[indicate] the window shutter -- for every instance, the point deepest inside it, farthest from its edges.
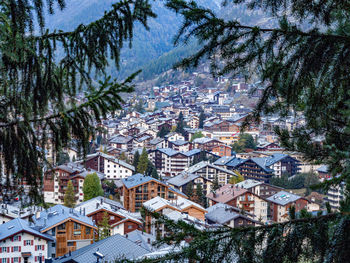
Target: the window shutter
(11, 249)
(19, 259)
(24, 242)
(36, 258)
(43, 258)
(31, 242)
(36, 248)
(8, 260)
(0, 249)
(19, 248)
(42, 247)
(19, 238)
(11, 260)
(11, 239)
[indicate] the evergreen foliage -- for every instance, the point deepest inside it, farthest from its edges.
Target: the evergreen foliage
(200, 197)
(136, 160)
(215, 185)
(104, 229)
(189, 190)
(143, 162)
(69, 195)
(296, 182)
(154, 173)
(197, 135)
(163, 131)
(305, 71)
(92, 187)
(201, 119)
(62, 158)
(245, 141)
(180, 124)
(38, 87)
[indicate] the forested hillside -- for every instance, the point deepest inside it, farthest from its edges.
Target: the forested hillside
(152, 51)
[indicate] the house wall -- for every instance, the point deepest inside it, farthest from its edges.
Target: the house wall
(70, 236)
(13, 247)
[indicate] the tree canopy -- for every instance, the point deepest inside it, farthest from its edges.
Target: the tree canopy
(301, 59)
(245, 141)
(69, 195)
(143, 162)
(42, 71)
(92, 187)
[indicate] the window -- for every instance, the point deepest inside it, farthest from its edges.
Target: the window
(61, 227)
(27, 243)
(87, 230)
(53, 244)
(129, 226)
(15, 249)
(70, 244)
(77, 226)
(16, 238)
(112, 217)
(4, 260)
(40, 247)
(53, 231)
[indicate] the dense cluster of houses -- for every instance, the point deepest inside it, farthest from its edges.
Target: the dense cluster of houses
(199, 156)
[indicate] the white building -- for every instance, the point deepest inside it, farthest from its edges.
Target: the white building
(21, 242)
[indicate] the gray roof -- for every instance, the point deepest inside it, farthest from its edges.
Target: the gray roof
(169, 151)
(111, 158)
(222, 213)
(192, 152)
(111, 204)
(182, 179)
(17, 226)
(156, 141)
(247, 184)
(202, 164)
(223, 160)
(137, 179)
(142, 239)
(57, 214)
(180, 142)
(283, 198)
(112, 248)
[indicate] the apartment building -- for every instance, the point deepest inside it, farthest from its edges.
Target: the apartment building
(282, 201)
(241, 198)
(56, 181)
(169, 162)
(113, 168)
(138, 189)
(211, 171)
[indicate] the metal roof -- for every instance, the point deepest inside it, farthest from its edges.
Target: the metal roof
(182, 179)
(283, 198)
(59, 213)
(17, 226)
(142, 239)
(112, 248)
(249, 183)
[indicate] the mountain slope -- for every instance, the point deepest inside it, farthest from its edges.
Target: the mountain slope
(147, 46)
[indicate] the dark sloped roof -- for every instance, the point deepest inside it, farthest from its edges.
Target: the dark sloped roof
(112, 248)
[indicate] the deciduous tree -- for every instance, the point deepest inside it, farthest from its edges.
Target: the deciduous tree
(92, 187)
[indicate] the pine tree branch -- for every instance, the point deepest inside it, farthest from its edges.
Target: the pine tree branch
(92, 98)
